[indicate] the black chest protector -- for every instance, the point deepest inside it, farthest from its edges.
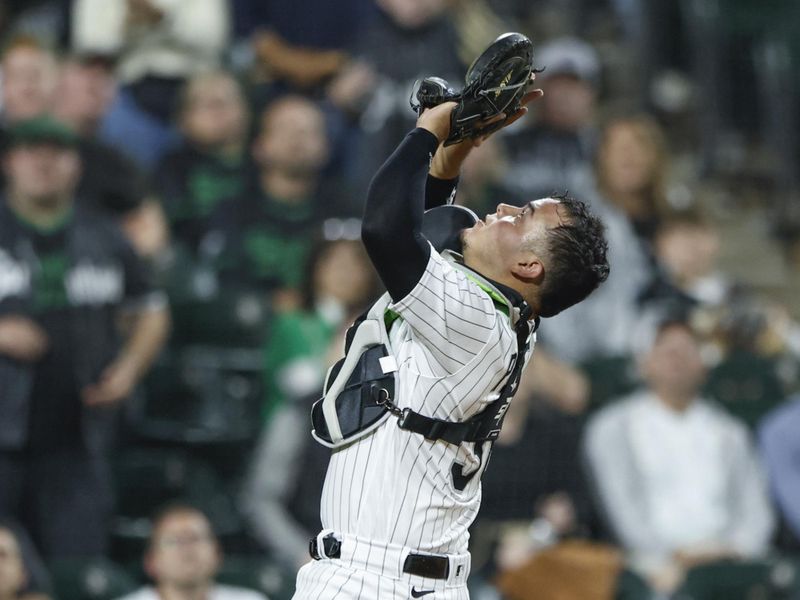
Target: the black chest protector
(359, 393)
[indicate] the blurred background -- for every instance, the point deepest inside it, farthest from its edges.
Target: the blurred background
(179, 256)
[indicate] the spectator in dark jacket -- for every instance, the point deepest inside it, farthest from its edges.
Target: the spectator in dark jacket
(65, 273)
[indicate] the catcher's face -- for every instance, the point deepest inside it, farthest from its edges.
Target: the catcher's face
(511, 242)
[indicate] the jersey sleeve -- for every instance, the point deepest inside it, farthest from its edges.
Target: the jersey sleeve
(449, 314)
(140, 291)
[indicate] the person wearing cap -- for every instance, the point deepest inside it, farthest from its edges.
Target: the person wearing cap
(555, 153)
(66, 274)
(677, 477)
(110, 180)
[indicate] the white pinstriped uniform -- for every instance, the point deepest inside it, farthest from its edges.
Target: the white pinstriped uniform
(393, 491)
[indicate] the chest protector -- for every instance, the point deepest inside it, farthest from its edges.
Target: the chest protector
(359, 392)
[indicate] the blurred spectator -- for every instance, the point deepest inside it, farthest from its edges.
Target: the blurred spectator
(555, 153)
(543, 444)
(687, 250)
(780, 447)
(85, 90)
(160, 44)
(22, 572)
(66, 274)
(13, 575)
(339, 281)
(269, 227)
(109, 179)
(29, 75)
(678, 478)
(183, 557)
(46, 20)
(631, 169)
(408, 40)
(209, 165)
(477, 25)
(283, 493)
(281, 498)
(300, 46)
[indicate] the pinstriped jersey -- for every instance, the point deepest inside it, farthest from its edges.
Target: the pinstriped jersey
(454, 349)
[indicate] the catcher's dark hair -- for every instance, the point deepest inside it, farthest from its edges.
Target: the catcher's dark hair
(578, 258)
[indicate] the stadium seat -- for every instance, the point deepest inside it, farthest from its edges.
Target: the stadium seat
(733, 580)
(747, 385)
(631, 586)
(202, 394)
(610, 378)
(146, 479)
(89, 579)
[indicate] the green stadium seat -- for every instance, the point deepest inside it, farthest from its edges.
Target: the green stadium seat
(747, 385)
(610, 378)
(734, 580)
(89, 579)
(631, 586)
(202, 394)
(146, 479)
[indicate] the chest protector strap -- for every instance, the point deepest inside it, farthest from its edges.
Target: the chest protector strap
(359, 390)
(486, 425)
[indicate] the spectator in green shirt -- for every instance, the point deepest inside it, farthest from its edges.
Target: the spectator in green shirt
(339, 282)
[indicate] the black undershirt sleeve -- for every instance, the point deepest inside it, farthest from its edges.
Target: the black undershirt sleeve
(397, 197)
(438, 191)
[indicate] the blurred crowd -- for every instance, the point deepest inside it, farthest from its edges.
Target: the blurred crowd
(180, 254)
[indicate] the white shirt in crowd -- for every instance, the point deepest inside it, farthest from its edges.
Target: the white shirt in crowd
(217, 592)
(673, 481)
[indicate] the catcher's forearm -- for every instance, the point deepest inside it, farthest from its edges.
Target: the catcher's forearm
(391, 228)
(447, 161)
(439, 191)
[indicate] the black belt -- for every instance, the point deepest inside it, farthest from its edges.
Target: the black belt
(424, 565)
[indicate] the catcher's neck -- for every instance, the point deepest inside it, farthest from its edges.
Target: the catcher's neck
(527, 290)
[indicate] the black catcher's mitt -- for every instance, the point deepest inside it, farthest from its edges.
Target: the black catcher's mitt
(495, 83)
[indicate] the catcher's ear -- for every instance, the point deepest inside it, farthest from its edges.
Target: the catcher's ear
(528, 267)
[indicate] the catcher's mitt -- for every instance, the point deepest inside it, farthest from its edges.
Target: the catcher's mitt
(495, 83)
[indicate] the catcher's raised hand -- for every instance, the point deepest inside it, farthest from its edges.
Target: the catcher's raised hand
(437, 120)
(447, 161)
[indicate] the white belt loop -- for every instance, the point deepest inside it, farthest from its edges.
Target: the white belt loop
(459, 570)
(321, 544)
